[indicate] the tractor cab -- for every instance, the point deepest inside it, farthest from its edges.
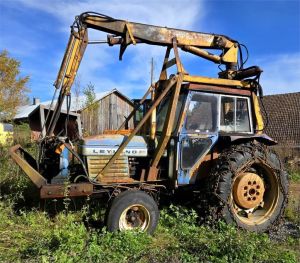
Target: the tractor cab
(202, 119)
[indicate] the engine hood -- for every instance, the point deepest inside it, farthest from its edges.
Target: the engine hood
(108, 144)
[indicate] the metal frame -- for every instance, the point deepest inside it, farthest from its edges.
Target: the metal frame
(15, 152)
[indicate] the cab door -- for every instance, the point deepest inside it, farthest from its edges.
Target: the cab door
(198, 134)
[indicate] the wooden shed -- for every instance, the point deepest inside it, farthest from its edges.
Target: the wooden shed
(107, 113)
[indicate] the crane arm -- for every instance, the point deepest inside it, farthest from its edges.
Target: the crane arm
(125, 33)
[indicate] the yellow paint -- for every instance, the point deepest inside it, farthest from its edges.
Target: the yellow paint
(73, 56)
(6, 137)
(231, 55)
(73, 59)
(258, 116)
(215, 81)
(130, 33)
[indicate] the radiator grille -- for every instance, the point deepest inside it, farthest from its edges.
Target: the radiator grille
(118, 172)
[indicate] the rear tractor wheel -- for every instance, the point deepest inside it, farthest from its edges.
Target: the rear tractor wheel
(249, 187)
(133, 209)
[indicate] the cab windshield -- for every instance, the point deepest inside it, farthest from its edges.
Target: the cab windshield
(163, 109)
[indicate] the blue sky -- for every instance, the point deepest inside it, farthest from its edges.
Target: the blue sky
(36, 32)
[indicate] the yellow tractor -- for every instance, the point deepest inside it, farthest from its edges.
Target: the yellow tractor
(203, 134)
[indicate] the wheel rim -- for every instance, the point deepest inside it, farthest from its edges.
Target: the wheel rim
(133, 217)
(255, 196)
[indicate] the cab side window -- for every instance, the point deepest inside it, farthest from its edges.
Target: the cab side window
(202, 113)
(234, 116)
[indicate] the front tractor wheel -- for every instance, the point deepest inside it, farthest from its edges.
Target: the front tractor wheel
(133, 209)
(249, 187)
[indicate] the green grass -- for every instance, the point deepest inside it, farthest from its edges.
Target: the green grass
(294, 176)
(28, 234)
(35, 237)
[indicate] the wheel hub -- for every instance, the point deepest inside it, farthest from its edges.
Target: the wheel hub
(248, 190)
(135, 216)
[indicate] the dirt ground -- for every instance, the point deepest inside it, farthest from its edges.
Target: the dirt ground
(290, 227)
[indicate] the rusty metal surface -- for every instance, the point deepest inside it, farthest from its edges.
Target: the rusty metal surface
(119, 170)
(180, 68)
(156, 35)
(248, 190)
(202, 53)
(152, 173)
(122, 132)
(215, 81)
(75, 49)
(220, 89)
(69, 190)
(117, 180)
(163, 73)
(168, 126)
(15, 152)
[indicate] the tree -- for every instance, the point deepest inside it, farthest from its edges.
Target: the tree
(12, 86)
(90, 95)
(90, 105)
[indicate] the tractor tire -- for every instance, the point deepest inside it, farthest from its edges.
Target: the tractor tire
(248, 187)
(133, 209)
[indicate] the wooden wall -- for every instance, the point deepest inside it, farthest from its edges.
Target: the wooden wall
(105, 114)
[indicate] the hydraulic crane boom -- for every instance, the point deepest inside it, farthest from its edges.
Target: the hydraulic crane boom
(125, 33)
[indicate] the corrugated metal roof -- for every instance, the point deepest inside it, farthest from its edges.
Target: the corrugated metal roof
(24, 111)
(77, 104)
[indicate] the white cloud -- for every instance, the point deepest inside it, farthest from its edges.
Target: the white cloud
(281, 73)
(172, 13)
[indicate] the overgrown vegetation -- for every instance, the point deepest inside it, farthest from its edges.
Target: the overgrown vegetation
(22, 133)
(30, 234)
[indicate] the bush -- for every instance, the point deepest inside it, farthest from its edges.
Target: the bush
(22, 134)
(15, 186)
